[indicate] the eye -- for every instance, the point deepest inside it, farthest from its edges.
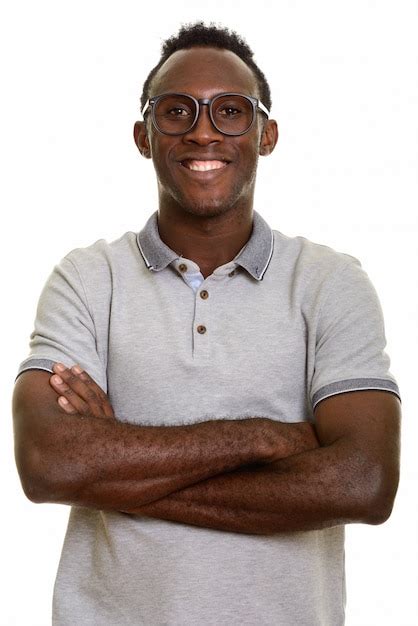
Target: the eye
(228, 111)
(178, 112)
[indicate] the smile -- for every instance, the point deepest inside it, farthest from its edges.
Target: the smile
(203, 166)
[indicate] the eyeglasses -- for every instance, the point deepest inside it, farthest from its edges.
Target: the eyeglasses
(177, 113)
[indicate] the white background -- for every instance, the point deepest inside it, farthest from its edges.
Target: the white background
(343, 77)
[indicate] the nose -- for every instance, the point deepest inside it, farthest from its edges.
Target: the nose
(203, 132)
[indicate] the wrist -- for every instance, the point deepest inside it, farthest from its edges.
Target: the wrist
(288, 439)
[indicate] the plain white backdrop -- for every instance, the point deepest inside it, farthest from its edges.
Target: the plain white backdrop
(343, 77)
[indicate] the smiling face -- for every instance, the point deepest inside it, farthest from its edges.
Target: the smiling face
(204, 172)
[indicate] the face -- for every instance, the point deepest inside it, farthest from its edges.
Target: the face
(204, 72)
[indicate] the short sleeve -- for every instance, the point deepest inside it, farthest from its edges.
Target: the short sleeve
(64, 326)
(350, 338)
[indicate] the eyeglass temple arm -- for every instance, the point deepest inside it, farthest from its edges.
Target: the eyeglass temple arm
(263, 108)
(144, 108)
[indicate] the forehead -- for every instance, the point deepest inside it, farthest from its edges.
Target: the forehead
(203, 72)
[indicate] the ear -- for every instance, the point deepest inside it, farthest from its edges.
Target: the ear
(141, 139)
(269, 137)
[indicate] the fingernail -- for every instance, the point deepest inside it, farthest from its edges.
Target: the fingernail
(77, 369)
(63, 400)
(57, 379)
(60, 367)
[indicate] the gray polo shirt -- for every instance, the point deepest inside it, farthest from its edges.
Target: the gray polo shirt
(285, 324)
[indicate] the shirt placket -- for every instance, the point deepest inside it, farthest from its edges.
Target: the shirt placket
(204, 303)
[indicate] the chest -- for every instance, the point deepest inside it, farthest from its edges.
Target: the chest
(215, 353)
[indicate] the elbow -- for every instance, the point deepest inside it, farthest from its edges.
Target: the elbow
(378, 513)
(382, 491)
(30, 488)
(33, 480)
(33, 493)
(39, 482)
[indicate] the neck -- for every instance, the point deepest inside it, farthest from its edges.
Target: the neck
(208, 241)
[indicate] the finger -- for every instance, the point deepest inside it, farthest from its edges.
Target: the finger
(104, 400)
(61, 387)
(79, 381)
(86, 389)
(66, 405)
(108, 409)
(87, 379)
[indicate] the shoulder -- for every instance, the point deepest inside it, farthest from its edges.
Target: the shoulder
(90, 273)
(97, 265)
(102, 253)
(310, 263)
(309, 253)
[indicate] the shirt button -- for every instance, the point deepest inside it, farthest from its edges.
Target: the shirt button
(183, 267)
(201, 329)
(204, 294)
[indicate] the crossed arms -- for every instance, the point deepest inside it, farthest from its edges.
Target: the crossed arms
(254, 475)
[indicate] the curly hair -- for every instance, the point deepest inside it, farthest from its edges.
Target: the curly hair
(198, 34)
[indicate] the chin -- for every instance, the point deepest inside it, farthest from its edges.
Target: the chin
(210, 206)
(208, 209)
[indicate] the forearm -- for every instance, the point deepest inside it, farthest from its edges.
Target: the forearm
(107, 464)
(309, 491)
(89, 458)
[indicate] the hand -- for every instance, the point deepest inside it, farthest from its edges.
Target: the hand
(78, 393)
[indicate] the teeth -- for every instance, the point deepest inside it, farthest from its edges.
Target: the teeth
(204, 166)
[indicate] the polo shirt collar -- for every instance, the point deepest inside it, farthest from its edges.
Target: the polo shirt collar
(255, 256)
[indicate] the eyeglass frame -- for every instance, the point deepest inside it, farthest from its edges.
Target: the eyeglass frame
(256, 104)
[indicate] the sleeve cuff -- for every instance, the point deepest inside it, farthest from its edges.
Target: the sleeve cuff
(36, 364)
(354, 384)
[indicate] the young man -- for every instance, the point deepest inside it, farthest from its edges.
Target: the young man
(234, 407)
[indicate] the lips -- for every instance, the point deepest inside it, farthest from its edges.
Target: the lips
(203, 165)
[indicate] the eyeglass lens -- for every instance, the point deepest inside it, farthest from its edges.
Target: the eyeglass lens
(175, 114)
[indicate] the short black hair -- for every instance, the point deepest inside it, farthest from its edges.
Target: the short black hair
(198, 34)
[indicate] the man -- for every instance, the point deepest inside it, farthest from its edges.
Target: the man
(221, 403)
